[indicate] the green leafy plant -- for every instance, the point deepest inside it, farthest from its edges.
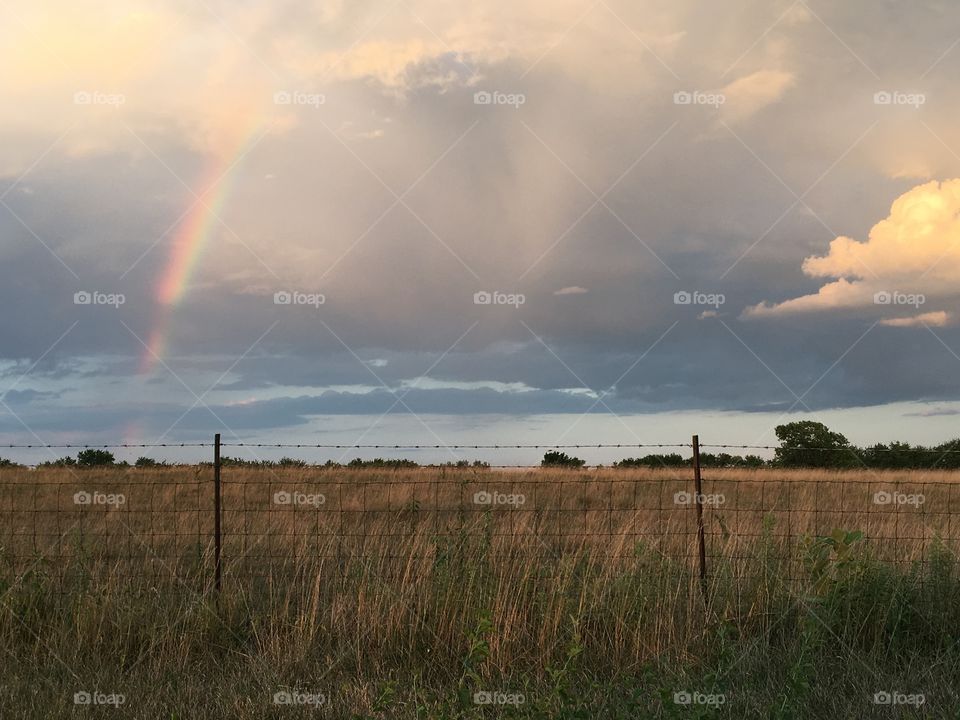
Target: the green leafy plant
(830, 558)
(478, 650)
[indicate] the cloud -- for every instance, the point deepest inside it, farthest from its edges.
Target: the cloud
(937, 319)
(918, 236)
(913, 254)
(209, 75)
(751, 93)
(841, 293)
(935, 412)
(511, 201)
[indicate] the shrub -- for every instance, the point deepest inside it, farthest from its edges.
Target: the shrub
(464, 464)
(65, 461)
(653, 461)
(381, 463)
(555, 458)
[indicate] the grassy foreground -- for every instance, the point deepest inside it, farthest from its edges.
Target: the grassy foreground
(419, 603)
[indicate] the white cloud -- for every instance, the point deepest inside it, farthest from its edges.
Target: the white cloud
(572, 290)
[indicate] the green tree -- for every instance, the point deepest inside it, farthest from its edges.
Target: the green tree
(654, 461)
(91, 457)
(798, 441)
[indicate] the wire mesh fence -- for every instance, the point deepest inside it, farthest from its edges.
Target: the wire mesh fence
(174, 524)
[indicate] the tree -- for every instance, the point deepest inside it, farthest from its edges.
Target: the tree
(555, 458)
(654, 461)
(798, 440)
(753, 461)
(146, 462)
(726, 460)
(92, 457)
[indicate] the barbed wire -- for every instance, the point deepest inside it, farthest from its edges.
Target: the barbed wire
(348, 447)
(491, 446)
(105, 447)
(458, 446)
(848, 448)
(463, 447)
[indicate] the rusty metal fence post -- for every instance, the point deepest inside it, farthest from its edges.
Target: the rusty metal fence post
(216, 513)
(698, 503)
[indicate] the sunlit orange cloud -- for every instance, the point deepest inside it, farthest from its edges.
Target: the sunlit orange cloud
(922, 231)
(915, 250)
(83, 42)
(935, 319)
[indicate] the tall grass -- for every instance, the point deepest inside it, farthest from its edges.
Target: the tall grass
(398, 596)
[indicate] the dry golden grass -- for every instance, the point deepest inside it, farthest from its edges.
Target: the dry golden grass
(392, 572)
(398, 518)
(399, 528)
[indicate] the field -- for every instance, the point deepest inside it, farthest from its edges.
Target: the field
(477, 593)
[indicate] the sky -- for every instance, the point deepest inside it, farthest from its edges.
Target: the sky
(423, 222)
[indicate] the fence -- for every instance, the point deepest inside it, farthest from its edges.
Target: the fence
(204, 526)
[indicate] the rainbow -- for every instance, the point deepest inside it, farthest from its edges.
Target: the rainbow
(193, 234)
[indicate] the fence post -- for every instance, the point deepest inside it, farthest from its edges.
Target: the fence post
(216, 512)
(698, 502)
